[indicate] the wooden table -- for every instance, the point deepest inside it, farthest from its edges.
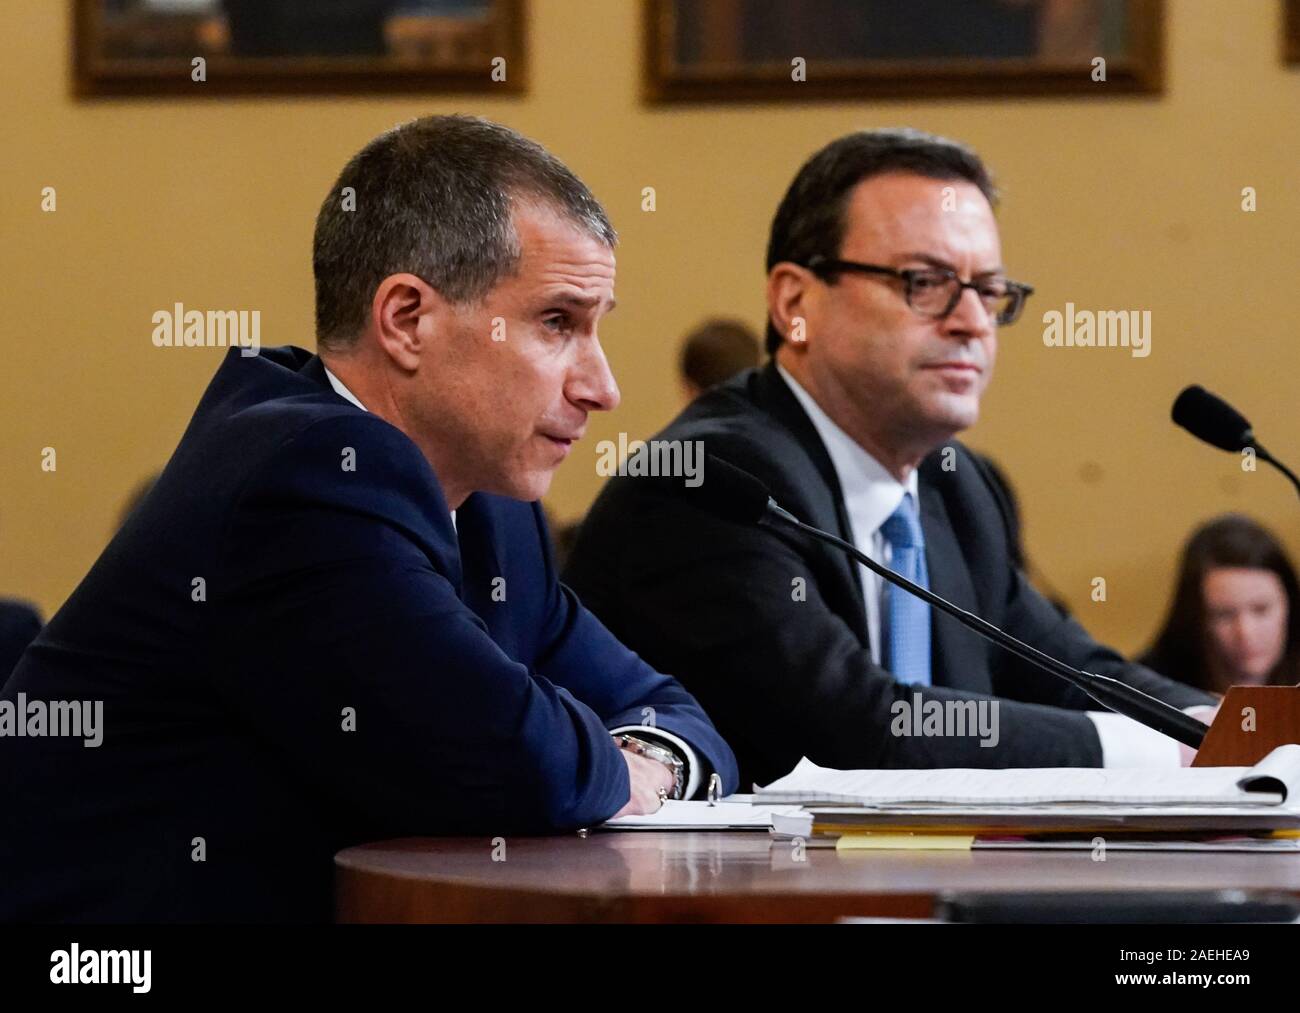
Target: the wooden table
(734, 877)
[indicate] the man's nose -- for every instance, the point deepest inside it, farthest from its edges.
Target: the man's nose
(969, 318)
(591, 384)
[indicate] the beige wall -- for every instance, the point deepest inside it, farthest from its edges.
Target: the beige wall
(1117, 204)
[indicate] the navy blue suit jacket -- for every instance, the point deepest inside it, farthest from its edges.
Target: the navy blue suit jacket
(296, 652)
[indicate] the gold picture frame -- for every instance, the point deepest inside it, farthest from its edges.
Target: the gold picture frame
(737, 50)
(1291, 31)
(250, 47)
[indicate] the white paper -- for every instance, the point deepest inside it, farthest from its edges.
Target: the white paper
(809, 784)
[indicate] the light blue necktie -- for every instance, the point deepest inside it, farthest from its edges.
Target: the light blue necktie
(909, 617)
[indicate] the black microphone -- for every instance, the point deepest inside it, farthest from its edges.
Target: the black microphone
(1210, 418)
(736, 495)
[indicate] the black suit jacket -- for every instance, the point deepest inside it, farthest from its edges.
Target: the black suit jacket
(715, 603)
(19, 624)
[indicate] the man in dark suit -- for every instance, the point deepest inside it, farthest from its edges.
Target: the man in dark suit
(885, 290)
(19, 624)
(335, 618)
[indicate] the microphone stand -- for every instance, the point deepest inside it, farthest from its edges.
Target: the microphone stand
(1110, 693)
(1264, 455)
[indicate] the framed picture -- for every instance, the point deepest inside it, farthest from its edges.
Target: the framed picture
(787, 50)
(1291, 30)
(222, 47)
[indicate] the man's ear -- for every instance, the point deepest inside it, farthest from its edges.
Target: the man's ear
(788, 293)
(406, 313)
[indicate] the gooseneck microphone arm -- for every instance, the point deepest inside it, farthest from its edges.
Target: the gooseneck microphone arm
(1264, 455)
(1110, 693)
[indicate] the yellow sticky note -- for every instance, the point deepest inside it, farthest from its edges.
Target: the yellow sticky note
(905, 842)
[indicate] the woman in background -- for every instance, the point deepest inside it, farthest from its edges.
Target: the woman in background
(1234, 619)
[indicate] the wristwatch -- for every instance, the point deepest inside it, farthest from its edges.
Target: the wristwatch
(663, 754)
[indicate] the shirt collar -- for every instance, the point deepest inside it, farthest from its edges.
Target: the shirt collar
(341, 390)
(870, 492)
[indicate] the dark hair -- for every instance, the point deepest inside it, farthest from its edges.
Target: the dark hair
(810, 219)
(716, 351)
(1180, 649)
(434, 198)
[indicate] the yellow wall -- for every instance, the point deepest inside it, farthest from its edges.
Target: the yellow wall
(1119, 204)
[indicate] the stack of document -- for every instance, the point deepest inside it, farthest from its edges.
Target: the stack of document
(735, 812)
(1197, 808)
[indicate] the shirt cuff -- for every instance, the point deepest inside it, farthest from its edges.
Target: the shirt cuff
(1125, 743)
(678, 743)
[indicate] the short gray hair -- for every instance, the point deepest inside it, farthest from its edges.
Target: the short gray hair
(434, 198)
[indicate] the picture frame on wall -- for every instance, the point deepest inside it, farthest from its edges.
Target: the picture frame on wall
(789, 50)
(1291, 31)
(221, 47)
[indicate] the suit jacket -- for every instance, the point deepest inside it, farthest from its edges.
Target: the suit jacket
(296, 652)
(19, 624)
(716, 603)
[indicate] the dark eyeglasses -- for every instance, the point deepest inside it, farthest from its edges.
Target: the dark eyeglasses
(935, 291)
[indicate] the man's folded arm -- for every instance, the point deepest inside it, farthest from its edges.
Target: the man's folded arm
(628, 694)
(400, 705)
(1124, 742)
(1030, 617)
(784, 670)
(344, 650)
(1034, 619)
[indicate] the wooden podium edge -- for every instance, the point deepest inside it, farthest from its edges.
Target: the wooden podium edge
(1251, 723)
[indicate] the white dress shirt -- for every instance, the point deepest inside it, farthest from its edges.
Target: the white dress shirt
(871, 494)
(674, 742)
(341, 390)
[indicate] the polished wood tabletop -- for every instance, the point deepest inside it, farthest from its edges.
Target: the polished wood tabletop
(641, 876)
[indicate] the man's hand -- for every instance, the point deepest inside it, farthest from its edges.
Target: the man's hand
(1186, 754)
(647, 777)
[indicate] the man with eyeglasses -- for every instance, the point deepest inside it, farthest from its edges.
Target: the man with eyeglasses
(885, 291)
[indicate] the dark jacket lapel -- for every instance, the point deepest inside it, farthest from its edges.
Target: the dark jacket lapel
(773, 394)
(314, 369)
(957, 659)
(479, 561)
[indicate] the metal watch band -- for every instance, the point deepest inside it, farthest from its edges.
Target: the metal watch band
(654, 751)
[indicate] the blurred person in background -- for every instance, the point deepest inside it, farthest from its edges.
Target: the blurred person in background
(1233, 619)
(715, 352)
